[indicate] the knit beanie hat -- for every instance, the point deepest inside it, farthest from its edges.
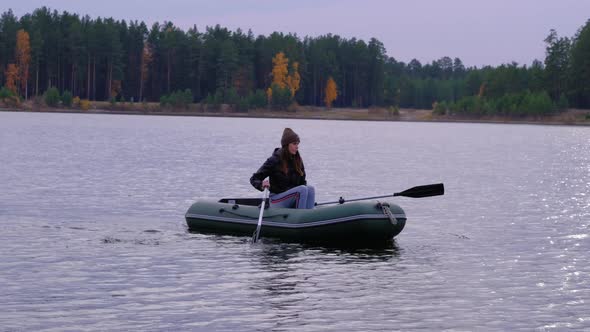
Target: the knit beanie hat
(289, 136)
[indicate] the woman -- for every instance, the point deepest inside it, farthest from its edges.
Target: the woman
(286, 172)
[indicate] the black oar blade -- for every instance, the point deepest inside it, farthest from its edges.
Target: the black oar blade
(423, 191)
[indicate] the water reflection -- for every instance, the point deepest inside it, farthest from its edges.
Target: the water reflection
(281, 260)
(280, 264)
(372, 252)
(292, 273)
(279, 284)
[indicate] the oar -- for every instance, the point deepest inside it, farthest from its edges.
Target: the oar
(415, 192)
(257, 231)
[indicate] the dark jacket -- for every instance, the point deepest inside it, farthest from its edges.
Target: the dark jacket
(279, 181)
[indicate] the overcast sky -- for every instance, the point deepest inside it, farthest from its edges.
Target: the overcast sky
(480, 33)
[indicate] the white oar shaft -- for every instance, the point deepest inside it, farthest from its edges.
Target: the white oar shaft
(259, 225)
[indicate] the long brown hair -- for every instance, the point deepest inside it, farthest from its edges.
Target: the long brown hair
(297, 161)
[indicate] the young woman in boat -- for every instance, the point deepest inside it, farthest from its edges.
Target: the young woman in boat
(288, 187)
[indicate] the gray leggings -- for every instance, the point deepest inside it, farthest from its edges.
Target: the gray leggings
(300, 197)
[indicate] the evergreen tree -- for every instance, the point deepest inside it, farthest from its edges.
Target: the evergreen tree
(579, 72)
(556, 64)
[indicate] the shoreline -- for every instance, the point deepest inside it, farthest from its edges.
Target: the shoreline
(574, 118)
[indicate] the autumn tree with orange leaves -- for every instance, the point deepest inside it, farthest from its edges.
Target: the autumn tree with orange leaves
(280, 70)
(282, 77)
(23, 60)
(11, 78)
(331, 92)
(294, 80)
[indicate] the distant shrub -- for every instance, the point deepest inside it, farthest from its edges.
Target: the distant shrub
(76, 101)
(218, 98)
(214, 101)
(281, 97)
(85, 104)
(66, 98)
(563, 103)
(164, 101)
(465, 106)
(538, 103)
(187, 97)
(177, 99)
(393, 111)
(9, 98)
(5, 93)
(208, 99)
(439, 108)
(257, 99)
(51, 97)
(242, 105)
(231, 96)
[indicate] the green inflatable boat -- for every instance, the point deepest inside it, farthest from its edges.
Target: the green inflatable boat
(370, 221)
(351, 222)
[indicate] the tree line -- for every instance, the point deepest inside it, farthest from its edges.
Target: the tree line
(107, 59)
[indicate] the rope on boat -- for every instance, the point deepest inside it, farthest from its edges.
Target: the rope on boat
(386, 211)
(284, 215)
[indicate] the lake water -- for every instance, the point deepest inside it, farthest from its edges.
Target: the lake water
(93, 235)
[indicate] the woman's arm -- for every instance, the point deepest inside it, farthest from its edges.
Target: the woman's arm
(262, 173)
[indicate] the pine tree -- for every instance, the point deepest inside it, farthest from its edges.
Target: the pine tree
(556, 63)
(580, 67)
(36, 48)
(146, 59)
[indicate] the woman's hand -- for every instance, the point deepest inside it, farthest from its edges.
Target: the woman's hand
(265, 184)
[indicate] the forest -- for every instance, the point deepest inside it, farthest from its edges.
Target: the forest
(103, 59)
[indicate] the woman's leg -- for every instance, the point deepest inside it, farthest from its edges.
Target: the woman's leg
(292, 198)
(310, 197)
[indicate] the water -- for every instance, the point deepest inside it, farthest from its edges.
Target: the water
(94, 238)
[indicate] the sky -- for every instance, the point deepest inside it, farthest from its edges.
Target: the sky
(491, 32)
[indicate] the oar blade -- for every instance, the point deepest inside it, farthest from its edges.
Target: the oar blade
(423, 191)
